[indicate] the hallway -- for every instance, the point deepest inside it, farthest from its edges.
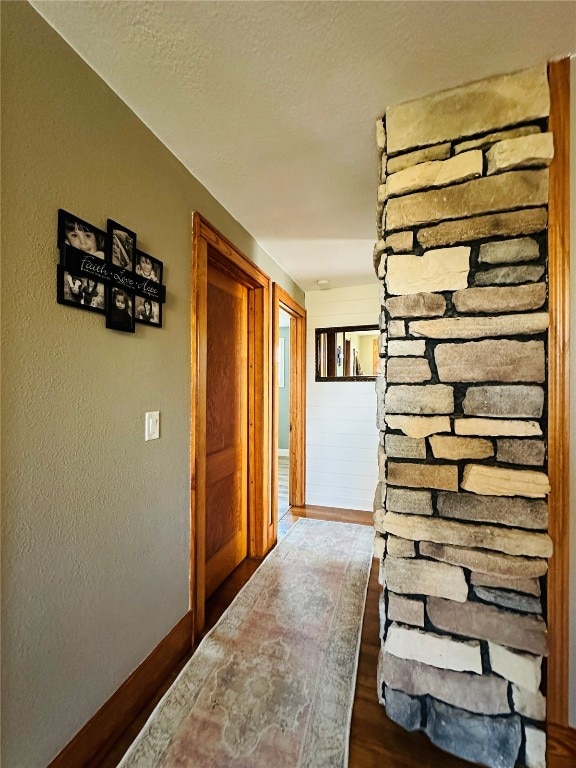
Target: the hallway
(375, 741)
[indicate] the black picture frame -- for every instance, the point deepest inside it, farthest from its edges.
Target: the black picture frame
(147, 267)
(118, 317)
(121, 243)
(148, 312)
(89, 294)
(91, 239)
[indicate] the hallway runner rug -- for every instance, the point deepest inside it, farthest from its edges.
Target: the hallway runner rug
(272, 684)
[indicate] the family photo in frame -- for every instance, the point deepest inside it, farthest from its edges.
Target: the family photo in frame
(104, 272)
(121, 245)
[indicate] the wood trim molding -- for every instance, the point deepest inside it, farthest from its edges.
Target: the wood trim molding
(560, 747)
(91, 744)
(297, 481)
(209, 245)
(559, 393)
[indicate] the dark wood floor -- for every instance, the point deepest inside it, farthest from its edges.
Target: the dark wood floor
(375, 741)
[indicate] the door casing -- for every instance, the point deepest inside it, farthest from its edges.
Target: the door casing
(228, 259)
(297, 476)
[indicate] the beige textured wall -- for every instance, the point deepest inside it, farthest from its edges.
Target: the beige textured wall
(95, 520)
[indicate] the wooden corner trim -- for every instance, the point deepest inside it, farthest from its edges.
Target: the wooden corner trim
(559, 392)
(560, 746)
(102, 731)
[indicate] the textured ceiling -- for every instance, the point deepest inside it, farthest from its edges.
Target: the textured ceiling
(272, 105)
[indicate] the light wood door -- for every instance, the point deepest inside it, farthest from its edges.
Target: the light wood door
(226, 426)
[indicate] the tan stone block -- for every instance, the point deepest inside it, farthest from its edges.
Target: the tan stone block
(491, 427)
(381, 463)
(396, 329)
(382, 343)
(509, 541)
(409, 502)
(435, 650)
(405, 611)
(383, 164)
(528, 273)
(378, 519)
(420, 399)
(382, 192)
(406, 348)
(511, 511)
(380, 246)
(491, 360)
(406, 370)
(491, 194)
(443, 269)
(469, 109)
(509, 251)
(401, 242)
(508, 224)
(440, 476)
(523, 669)
(520, 401)
(532, 151)
(514, 299)
(492, 138)
(379, 548)
(532, 452)
(484, 694)
(478, 327)
(448, 447)
(436, 173)
(531, 704)
(422, 577)
(418, 426)
(380, 134)
(417, 305)
(484, 562)
(487, 622)
(397, 547)
(402, 447)
(437, 152)
(527, 586)
(500, 481)
(377, 501)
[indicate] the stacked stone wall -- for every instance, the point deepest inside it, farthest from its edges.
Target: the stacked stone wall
(461, 507)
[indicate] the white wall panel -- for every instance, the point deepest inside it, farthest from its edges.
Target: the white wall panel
(342, 439)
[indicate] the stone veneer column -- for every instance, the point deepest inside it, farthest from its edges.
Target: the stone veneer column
(460, 509)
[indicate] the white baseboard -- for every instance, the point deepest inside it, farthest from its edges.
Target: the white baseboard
(283, 452)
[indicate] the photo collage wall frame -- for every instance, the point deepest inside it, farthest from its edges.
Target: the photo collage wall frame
(105, 272)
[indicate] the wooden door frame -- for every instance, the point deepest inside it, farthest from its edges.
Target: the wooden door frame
(297, 481)
(559, 402)
(227, 257)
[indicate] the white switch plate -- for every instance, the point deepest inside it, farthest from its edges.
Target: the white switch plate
(152, 425)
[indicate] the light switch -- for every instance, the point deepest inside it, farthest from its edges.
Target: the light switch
(152, 425)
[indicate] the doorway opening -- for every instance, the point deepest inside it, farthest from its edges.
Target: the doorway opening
(289, 406)
(283, 444)
(230, 425)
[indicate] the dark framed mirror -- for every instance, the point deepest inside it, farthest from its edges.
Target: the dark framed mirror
(348, 353)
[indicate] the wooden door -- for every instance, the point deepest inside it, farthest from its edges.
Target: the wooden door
(226, 426)
(242, 351)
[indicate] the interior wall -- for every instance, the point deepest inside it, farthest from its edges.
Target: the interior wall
(341, 460)
(573, 397)
(284, 396)
(95, 521)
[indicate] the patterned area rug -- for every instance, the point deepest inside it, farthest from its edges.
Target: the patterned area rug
(272, 684)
